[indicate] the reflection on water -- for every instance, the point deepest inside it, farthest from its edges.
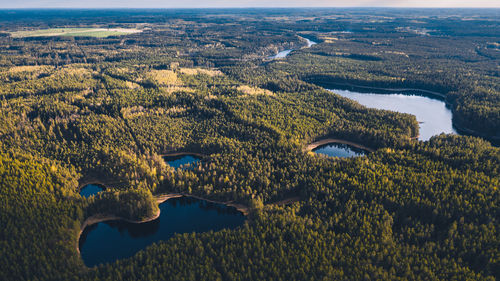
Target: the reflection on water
(180, 160)
(339, 150)
(108, 241)
(89, 190)
(432, 114)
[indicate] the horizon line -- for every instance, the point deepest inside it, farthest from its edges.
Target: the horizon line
(250, 7)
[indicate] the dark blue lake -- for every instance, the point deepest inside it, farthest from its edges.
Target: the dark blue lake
(181, 160)
(109, 241)
(89, 190)
(339, 150)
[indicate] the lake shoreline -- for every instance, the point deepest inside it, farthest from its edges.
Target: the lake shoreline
(379, 90)
(83, 181)
(461, 130)
(494, 139)
(321, 142)
(173, 154)
(399, 90)
(160, 198)
(240, 207)
(96, 183)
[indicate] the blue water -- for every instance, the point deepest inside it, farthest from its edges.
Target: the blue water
(181, 160)
(89, 190)
(432, 114)
(285, 53)
(310, 42)
(281, 54)
(339, 150)
(109, 241)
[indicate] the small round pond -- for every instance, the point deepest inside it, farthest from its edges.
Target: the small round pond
(112, 240)
(176, 161)
(339, 150)
(90, 189)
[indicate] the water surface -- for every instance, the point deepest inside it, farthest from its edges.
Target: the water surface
(432, 114)
(310, 43)
(89, 190)
(281, 54)
(109, 241)
(181, 160)
(339, 150)
(285, 53)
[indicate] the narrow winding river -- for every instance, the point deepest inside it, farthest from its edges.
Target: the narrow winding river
(285, 53)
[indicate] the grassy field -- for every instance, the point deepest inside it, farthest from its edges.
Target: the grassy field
(86, 32)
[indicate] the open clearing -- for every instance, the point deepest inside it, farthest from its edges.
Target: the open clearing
(86, 32)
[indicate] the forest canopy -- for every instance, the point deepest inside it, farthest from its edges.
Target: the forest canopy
(105, 108)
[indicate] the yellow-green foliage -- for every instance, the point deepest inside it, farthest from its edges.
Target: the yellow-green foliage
(131, 85)
(30, 68)
(197, 71)
(247, 90)
(75, 70)
(163, 77)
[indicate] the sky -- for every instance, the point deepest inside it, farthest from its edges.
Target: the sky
(7, 4)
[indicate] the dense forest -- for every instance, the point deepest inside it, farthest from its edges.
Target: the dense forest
(77, 110)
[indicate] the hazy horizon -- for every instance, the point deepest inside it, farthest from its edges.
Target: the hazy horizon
(151, 4)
